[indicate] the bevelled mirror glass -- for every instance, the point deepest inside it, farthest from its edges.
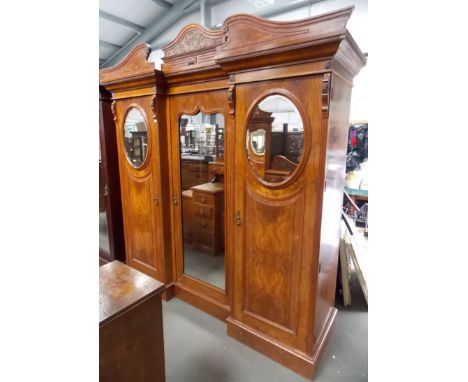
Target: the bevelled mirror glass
(202, 189)
(135, 137)
(274, 139)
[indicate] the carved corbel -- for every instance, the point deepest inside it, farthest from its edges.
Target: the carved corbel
(326, 87)
(232, 99)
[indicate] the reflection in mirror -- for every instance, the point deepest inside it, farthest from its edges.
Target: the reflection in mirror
(275, 139)
(257, 139)
(135, 137)
(202, 183)
(103, 231)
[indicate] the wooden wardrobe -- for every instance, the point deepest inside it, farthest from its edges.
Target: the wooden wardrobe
(111, 241)
(247, 130)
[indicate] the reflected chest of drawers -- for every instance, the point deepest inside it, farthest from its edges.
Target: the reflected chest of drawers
(193, 172)
(208, 218)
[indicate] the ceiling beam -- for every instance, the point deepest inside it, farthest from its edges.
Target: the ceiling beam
(276, 10)
(158, 26)
(164, 3)
(118, 20)
(106, 44)
(205, 13)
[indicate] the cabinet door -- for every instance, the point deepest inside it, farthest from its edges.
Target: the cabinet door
(200, 254)
(276, 207)
(140, 185)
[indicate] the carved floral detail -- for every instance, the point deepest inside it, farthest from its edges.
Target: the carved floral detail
(193, 40)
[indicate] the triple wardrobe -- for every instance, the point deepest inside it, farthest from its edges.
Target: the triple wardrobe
(232, 164)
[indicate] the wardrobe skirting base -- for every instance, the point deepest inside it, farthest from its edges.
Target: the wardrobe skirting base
(293, 359)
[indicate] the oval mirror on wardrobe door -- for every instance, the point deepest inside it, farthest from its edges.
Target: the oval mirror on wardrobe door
(135, 137)
(274, 139)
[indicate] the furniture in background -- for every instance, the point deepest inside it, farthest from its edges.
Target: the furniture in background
(207, 215)
(282, 224)
(358, 194)
(131, 343)
(187, 203)
(109, 188)
(194, 171)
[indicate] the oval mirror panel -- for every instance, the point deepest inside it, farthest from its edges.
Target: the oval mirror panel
(135, 137)
(274, 139)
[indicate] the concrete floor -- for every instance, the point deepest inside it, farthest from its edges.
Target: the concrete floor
(204, 267)
(198, 349)
(103, 234)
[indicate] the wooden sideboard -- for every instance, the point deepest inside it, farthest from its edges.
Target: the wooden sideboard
(131, 343)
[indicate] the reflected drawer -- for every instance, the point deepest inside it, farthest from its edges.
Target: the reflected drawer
(202, 198)
(203, 237)
(202, 211)
(202, 223)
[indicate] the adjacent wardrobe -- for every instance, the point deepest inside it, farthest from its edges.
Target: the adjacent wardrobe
(232, 164)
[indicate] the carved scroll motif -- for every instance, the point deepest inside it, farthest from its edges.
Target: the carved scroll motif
(192, 41)
(326, 93)
(113, 111)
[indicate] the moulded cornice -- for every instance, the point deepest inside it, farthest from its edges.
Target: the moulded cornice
(134, 67)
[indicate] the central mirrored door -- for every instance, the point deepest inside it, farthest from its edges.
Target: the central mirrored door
(201, 142)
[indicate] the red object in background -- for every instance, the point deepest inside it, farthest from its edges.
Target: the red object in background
(354, 138)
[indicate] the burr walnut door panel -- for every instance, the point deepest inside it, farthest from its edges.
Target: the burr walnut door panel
(276, 210)
(141, 184)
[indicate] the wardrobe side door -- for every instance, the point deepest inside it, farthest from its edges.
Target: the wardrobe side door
(141, 185)
(276, 206)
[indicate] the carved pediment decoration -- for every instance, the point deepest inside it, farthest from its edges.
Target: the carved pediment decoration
(193, 38)
(249, 35)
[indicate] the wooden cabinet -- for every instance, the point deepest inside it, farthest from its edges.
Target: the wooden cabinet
(208, 221)
(111, 237)
(276, 97)
(139, 108)
(131, 343)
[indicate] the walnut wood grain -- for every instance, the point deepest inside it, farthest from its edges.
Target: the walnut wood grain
(131, 345)
(121, 287)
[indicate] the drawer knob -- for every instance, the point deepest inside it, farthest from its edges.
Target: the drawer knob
(201, 199)
(201, 211)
